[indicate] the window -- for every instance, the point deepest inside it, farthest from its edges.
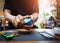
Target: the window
(46, 9)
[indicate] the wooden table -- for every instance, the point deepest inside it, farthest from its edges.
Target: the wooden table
(29, 41)
(38, 30)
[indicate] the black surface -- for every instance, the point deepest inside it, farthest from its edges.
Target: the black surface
(33, 36)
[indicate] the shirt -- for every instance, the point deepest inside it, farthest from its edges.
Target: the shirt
(23, 7)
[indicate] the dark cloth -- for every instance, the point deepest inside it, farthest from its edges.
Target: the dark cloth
(23, 7)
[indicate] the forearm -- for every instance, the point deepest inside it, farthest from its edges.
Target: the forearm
(8, 16)
(35, 16)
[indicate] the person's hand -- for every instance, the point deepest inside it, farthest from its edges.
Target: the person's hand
(17, 20)
(27, 16)
(14, 21)
(34, 18)
(20, 17)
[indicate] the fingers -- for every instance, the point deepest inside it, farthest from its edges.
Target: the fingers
(27, 16)
(14, 22)
(21, 19)
(18, 20)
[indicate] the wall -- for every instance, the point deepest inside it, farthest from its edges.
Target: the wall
(1, 7)
(58, 8)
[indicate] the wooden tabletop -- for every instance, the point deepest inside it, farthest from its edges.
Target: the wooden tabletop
(29, 41)
(51, 31)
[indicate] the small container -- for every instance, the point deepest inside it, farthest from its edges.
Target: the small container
(57, 30)
(27, 21)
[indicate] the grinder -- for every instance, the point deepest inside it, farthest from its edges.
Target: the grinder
(27, 21)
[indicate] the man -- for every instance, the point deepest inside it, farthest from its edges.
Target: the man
(16, 10)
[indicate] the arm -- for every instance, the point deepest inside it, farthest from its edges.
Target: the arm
(11, 18)
(7, 15)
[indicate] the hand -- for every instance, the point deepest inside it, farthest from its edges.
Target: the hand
(34, 18)
(27, 16)
(17, 20)
(21, 19)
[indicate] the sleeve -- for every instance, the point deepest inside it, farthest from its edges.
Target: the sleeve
(7, 5)
(35, 6)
